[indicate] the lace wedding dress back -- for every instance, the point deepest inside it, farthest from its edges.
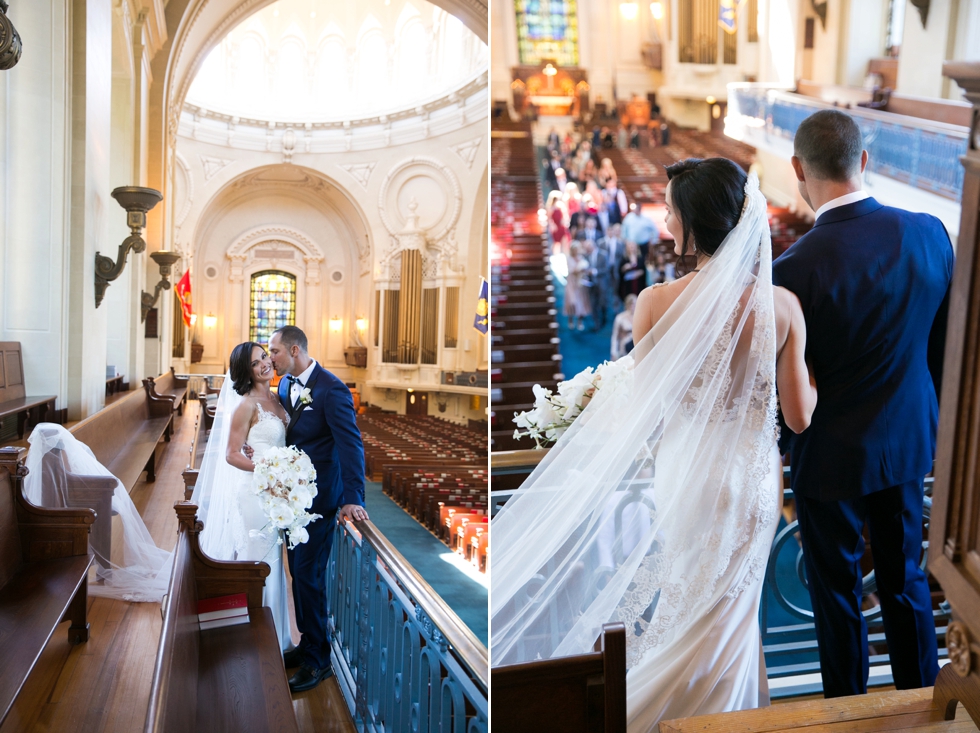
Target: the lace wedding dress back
(658, 506)
(235, 527)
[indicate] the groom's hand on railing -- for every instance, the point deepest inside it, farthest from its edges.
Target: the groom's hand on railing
(353, 512)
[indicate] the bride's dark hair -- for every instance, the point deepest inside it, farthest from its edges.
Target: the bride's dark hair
(707, 195)
(240, 367)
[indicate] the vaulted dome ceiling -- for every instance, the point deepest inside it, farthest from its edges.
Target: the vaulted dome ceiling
(324, 60)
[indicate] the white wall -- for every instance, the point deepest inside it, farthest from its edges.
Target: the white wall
(920, 65)
(34, 130)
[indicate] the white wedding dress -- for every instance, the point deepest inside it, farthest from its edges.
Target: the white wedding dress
(658, 506)
(235, 527)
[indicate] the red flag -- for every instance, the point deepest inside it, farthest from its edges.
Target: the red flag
(183, 291)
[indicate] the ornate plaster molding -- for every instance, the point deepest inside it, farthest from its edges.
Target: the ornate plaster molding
(445, 172)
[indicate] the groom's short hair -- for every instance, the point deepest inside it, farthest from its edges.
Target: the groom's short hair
(292, 336)
(829, 145)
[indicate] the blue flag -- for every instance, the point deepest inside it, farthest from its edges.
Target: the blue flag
(726, 15)
(482, 320)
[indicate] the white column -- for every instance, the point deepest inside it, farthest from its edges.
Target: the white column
(34, 147)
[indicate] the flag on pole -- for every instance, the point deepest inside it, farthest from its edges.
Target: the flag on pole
(183, 292)
(726, 15)
(482, 321)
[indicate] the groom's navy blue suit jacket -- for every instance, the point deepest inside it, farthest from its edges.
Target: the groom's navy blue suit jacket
(327, 431)
(873, 282)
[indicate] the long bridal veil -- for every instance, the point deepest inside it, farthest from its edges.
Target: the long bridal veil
(62, 471)
(219, 490)
(653, 507)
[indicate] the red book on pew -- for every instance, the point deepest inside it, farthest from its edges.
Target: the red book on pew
(213, 613)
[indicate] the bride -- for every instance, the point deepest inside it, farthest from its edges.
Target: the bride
(673, 477)
(235, 527)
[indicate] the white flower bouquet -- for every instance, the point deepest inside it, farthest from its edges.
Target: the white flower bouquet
(553, 413)
(285, 480)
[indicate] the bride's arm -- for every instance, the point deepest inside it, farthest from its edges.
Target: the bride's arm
(240, 423)
(794, 377)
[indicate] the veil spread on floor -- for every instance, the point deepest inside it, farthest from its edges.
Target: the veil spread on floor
(141, 570)
(651, 509)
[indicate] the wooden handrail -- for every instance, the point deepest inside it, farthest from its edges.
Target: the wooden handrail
(506, 461)
(472, 652)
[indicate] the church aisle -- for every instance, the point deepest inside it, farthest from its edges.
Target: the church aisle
(432, 559)
(103, 686)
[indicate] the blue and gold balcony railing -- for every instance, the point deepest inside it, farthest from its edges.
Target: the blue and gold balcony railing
(404, 660)
(917, 152)
(785, 617)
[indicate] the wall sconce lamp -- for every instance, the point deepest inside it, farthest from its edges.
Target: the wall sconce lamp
(629, 10)
(361, 323)
(10, 43)
(137, 201)
(165, 260)
(657, 10)
(336, 324)
(210, 320)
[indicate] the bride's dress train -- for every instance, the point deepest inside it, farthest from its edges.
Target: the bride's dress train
(658, 506)
(235, 527)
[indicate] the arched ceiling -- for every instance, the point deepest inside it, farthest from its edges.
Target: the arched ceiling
(204, 23)
(312, 61)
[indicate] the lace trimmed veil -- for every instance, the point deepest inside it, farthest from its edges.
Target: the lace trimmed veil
(651, 507)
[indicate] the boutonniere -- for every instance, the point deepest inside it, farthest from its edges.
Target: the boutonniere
(305, 397)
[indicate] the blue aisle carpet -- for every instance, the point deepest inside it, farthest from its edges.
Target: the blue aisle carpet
(466, 597)
(580, 349)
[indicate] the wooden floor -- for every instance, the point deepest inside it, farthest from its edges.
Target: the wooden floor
(104, 685)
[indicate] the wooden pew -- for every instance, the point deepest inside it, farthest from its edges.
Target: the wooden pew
(126, 437)
(168, 387)
(226, 679)
(30, 410)
(586, 692)
(44, 563)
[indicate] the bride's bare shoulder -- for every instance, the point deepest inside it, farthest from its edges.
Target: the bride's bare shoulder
(652, 303)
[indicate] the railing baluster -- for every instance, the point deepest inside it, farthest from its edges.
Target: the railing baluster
(410, 663)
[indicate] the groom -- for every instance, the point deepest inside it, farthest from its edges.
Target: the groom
(874, 285)
(321, 423)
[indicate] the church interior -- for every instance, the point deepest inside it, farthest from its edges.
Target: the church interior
(588, 91)
(178, 177)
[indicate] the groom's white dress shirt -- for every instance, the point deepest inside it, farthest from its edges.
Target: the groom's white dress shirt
(299, 384)
(848, 198)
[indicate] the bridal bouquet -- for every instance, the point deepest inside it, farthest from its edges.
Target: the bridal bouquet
(554, 413)
(285, 480)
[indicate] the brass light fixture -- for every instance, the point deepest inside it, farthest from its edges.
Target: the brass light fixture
(165, 260)
(10, 43)
(137, 201)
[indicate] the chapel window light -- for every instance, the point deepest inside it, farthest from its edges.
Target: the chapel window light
(272, 304)
(547, 30)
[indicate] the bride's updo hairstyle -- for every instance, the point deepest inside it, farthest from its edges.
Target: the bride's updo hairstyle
(707, 195)
(240, 367)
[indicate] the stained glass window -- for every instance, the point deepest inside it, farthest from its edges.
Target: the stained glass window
(547, 30)
(273, 304)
